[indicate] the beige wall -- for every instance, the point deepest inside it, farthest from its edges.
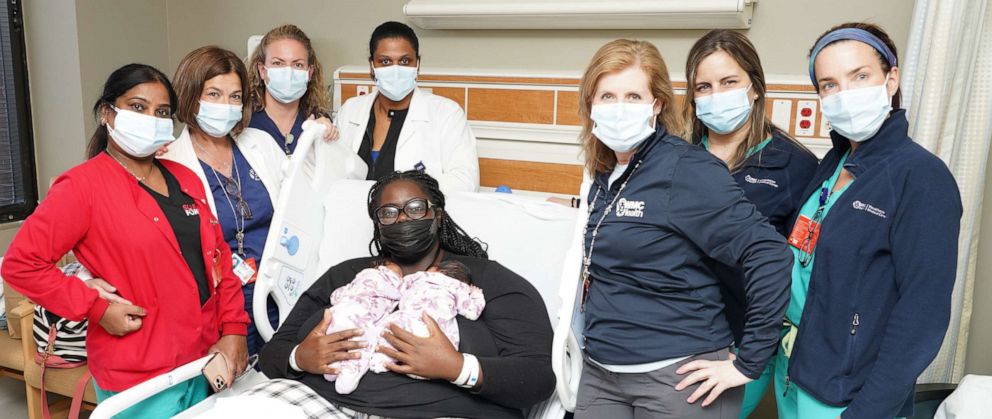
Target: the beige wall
(72, 47)
(113, 33)
(57, 105)
(340, 30)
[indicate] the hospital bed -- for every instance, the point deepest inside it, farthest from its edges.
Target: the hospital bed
(322, 219)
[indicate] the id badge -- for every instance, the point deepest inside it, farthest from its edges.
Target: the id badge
(244, 268)
(804, 234)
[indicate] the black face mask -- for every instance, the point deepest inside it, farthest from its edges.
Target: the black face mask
(408, 242)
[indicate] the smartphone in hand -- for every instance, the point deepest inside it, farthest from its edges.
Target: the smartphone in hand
(216, 372)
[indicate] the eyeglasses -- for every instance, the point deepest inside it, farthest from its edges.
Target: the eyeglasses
(233, 189)
(414, 209)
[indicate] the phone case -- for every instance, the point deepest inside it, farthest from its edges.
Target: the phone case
(216, 372)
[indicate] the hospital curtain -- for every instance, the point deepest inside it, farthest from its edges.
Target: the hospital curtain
(947, 90)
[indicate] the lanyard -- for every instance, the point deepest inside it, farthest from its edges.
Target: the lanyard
(587, 259)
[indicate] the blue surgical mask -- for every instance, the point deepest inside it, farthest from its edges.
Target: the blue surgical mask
(217, 120)
(857, 114)
(622, 126)
(724, 112)
(287, 84)
(395, 81)
(140, 135)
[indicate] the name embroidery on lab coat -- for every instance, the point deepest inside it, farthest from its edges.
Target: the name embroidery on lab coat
(769, 182)
(861, 206)
(627, 208)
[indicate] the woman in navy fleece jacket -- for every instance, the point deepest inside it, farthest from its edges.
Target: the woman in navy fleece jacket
(875, 245)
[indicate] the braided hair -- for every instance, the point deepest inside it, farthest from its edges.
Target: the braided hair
(452, 237)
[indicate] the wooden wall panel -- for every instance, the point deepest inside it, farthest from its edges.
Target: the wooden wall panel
(511, 105)
(348, 91)
(456, 94)
(531, 176)
(568, 108)
(520, 102)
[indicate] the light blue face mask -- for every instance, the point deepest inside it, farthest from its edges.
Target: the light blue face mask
(858, 114)
(395, 81)
(622, 126)
(140, 135)
(287, 84)
(217, 120)
(724, 112)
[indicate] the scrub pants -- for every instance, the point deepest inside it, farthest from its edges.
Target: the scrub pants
(755, 390)
(166, 404)
(650, 395)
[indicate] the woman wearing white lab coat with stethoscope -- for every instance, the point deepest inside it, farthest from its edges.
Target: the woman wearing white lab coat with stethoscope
(241, 168)
(400, 127)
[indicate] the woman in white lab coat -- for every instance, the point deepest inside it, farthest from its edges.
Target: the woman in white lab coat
(400, 127)
(241, 168)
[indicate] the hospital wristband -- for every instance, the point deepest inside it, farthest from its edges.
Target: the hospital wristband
(466, 370)
(469, 375)
(292, 360)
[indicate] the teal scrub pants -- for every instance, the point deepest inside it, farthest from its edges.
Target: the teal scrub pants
(166, 404)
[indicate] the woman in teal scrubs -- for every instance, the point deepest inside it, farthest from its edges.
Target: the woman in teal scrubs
(875, 245)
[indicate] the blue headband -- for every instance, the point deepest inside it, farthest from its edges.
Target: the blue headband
(852, 34)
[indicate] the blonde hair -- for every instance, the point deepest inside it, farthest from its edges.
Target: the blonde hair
(314, 101)
(614, 57)
(738, 47)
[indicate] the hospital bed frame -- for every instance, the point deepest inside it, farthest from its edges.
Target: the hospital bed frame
(284, 279)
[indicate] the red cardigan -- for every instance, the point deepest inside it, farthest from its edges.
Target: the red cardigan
(118, 231)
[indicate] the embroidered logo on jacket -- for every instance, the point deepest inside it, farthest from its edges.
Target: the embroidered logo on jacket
(861, 206)
(191, 210)
(752, 179)
(627, 208)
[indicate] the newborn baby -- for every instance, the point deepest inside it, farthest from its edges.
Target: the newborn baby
(374, 293)
(443, 293)
(369, 301)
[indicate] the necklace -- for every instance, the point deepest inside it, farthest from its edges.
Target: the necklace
(288, 135)
(587, 259)
(224, 166)
(239, 234)
(139, 178)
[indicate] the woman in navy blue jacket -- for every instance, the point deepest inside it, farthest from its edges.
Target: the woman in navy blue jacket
(875, 245)
(725, 113)
(655, 337)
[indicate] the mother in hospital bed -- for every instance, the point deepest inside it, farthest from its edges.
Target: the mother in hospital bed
(508, 348)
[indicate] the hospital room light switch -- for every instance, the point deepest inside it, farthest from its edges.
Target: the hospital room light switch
(782, 113)
(824, 127)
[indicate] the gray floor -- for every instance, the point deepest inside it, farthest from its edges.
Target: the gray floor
(12, 403)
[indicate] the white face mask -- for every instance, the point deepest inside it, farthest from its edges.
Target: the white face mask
(622, 126)
(857, 114)
(217, 120)
(724, 112)
(140, 135)
(286, 84)
(395, 81)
